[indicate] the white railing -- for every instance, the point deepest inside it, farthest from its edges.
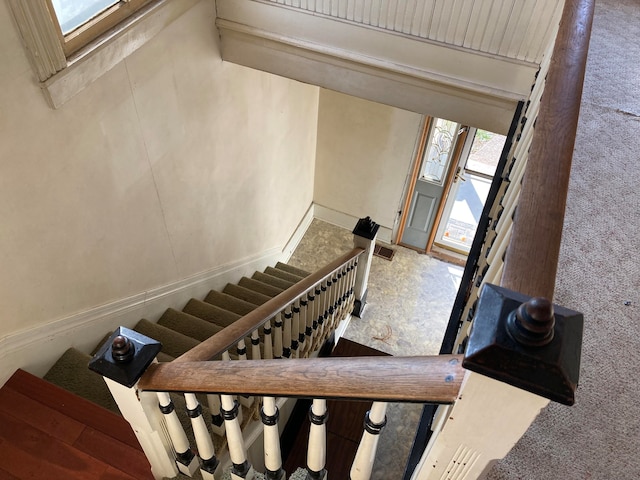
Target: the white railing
(518, 29)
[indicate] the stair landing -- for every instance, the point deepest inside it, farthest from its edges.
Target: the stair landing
(47, 432)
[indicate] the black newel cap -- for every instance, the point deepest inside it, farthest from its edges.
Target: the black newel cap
(526, 342)
(366, 228)
(125, 356)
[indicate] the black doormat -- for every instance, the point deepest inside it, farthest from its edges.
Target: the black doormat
(383, 252)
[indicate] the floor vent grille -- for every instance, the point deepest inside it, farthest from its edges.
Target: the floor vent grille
(383, 252)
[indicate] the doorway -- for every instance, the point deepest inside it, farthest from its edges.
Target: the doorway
(450, 181)
(429, 182)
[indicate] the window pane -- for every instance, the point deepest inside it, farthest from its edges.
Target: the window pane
(439, 150)
(74, 13)
(485, 152)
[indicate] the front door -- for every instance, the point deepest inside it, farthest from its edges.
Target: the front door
(430, 184)
(469, 190)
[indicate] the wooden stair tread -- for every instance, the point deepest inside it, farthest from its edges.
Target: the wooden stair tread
(48, 432)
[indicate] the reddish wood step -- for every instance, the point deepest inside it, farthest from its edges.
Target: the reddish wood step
(47, 432)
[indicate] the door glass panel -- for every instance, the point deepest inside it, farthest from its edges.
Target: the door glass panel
(463, 221)
(469, 191)
(439, 150)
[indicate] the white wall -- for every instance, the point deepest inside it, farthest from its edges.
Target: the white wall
(364, 153)
(171, 164)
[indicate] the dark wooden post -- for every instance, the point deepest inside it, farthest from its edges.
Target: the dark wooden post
(526, 342)
(122, 360)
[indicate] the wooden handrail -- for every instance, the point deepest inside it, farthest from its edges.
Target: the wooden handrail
(532, 257)
(429, 379)
(243, 327)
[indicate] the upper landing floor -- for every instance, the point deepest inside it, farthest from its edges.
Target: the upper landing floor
(468, 60)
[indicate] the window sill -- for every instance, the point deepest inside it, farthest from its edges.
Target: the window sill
(100, 56)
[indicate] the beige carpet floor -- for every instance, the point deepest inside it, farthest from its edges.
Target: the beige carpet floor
(599, 273)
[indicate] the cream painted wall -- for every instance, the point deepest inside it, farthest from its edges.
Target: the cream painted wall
(364, 153)
(169, 165)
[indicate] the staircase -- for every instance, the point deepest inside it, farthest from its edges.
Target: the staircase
(179, 332)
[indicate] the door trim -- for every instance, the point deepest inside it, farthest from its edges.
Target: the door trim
(417, 162)
(457, 152)
(415, 169)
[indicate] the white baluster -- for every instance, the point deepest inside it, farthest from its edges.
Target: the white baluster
(206, 452)
(272, 453)
(311, 315)
(302, 338)
(316, 317)
(247, 401)
(317, 448)
(241, 469)
(217, 422)
(286, 334)
(323, 315)
(295, 329)
(186, 461)
(255, 345)
(227, 358)
(268, 341)
(365, 456)
(277, 336)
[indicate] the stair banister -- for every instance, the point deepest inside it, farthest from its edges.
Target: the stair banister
(428, 379)
(522, 350)
(228, 337)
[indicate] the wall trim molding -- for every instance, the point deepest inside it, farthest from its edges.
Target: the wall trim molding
(83, 330)
(346, 220)
(360, 76)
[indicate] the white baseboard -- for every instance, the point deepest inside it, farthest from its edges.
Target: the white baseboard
(301, 229)
(346, 220)
(36, 349)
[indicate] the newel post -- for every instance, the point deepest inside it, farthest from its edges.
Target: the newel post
(364, 236)
(522, 352)
(121, 361)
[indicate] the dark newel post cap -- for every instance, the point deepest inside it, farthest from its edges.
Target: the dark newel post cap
(526, 342)
(125, 356)
(366, 228)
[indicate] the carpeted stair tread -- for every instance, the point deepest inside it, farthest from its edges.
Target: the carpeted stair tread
(188, 325)
(245, 294)
(210, 313)
(282, 274)
(229, 302)
(260, 287)
(163, 357)
(271, 280)
(291, 269)
(173, 343)
(71, 372)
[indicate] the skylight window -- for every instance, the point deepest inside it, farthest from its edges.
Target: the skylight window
(75, 13)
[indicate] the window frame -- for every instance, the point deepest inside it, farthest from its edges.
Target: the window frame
(62, 76)
(96, 26)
